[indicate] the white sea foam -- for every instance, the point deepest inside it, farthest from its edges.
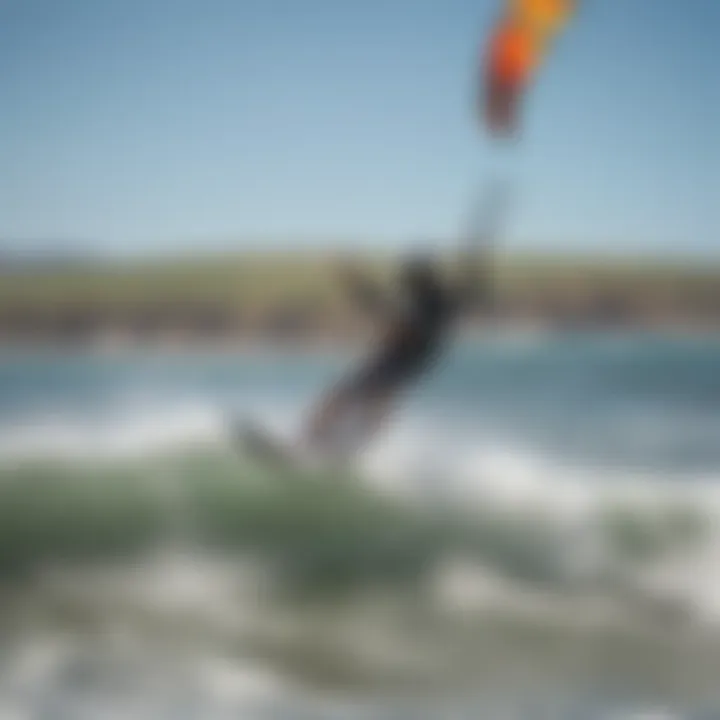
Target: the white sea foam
(424, 460)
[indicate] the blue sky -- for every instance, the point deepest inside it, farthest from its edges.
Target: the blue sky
(139, 125)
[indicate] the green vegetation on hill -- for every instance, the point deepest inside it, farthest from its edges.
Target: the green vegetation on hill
(268, 278)
(256, 289)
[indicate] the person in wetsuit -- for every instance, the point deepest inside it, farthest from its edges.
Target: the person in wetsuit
(415, 333)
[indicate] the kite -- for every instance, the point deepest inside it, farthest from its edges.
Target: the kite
(518, 44)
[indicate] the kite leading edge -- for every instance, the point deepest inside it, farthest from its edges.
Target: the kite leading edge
(518, 44)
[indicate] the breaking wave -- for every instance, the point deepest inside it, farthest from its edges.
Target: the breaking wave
(149, 567)
(420, 503)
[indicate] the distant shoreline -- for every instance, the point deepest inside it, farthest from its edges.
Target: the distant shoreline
(248, 303)
(324, 344)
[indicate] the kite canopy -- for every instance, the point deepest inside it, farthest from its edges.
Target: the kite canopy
(513, 53)
(545, 16)
(517, 46)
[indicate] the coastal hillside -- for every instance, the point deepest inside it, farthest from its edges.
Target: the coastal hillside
(297, 296)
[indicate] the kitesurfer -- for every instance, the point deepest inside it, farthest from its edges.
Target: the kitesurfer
(415, 330)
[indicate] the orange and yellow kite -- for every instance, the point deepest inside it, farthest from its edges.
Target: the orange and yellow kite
(518, 44)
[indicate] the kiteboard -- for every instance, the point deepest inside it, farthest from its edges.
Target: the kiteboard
(262, 446)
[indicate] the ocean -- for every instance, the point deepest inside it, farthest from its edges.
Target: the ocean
(535, 534)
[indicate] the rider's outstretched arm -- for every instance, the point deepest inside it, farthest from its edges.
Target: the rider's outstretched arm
(476, 282)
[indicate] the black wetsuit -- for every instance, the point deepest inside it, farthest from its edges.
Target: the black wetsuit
(414, 340)
(416, 330)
